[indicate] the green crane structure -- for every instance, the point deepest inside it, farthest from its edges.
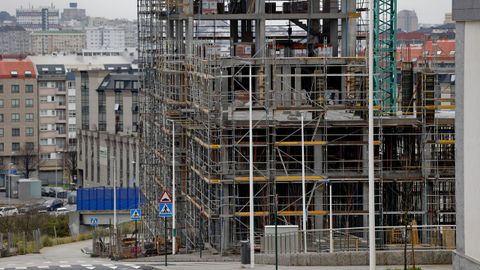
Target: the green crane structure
(385, 63)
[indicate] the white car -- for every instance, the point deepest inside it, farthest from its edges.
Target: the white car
(8, 211)
(60, 211)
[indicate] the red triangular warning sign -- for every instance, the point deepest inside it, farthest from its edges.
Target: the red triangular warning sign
(165, 198)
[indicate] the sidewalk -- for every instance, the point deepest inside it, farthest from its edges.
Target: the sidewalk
(236, 265)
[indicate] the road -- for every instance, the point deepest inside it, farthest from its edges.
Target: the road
(70, 257)
(65, 257)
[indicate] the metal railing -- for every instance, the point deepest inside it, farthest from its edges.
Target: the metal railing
(356, 239)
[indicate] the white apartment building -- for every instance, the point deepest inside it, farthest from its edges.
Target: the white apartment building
(38, 19)
(105, 38)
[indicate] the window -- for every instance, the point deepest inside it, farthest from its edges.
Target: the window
(15, 132)
(1, 117)
(72, 128)
(2, 132)
(2, 147)
(15, 89)
(15, 146)
(1, 88)
(72, 113)
(15, 117)
(15, 103)
(1, 103)
(29, 132)
(43, 127)
(119, 84)
(43, 99)
(28, 102)
(28, 74)
(71, 99)
(28, 88)
(29, 117)
(48, 142)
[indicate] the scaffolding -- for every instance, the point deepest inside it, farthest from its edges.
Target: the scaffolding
(307, 59)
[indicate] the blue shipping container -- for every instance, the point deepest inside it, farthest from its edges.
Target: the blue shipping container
(101, 198)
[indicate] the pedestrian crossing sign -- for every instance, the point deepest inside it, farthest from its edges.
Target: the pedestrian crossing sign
(165, 210)
(135, 214)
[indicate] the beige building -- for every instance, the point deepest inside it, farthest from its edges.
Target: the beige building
(107, 116)
(14, 40)
(53, 101)
(18, 117)
(50, 42)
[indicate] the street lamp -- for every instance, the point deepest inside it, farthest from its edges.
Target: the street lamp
(114, 195)
(56, 173)
(174, 210)
(371, 179)
(9, 182)
(304, 206)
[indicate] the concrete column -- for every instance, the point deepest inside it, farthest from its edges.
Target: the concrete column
(260, 28)
(467, 15)
(365, 204)
(349, 29)
(330, 27)
(318, 155)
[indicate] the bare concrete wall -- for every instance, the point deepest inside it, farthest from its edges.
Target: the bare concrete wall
(422, 257)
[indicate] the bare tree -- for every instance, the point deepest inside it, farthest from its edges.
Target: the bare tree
(28, 160)
(70, 162)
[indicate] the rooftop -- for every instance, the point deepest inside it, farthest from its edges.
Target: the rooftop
(16, 68)
(128, 79)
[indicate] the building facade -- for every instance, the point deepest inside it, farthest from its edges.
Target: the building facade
(407, 20)
(49, 42)
(39, 19)
(52, 96)
(107, 113)
(73, 13)
(18, 117)
(105, 38)
(466, 13)
(14, 40)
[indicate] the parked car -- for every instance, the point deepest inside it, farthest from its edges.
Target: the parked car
(60, 211)
(58, 191)
(45, 191)
(52, 205)
(8, 211)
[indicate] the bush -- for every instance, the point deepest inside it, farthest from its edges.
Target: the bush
(47, 241)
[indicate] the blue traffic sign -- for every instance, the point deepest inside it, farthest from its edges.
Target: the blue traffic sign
(94, 221)
(135, 214)
(165, 210)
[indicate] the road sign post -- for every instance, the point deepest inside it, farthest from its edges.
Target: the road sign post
(165, 249)
(136, 215)
(94, 221)
(165, 210)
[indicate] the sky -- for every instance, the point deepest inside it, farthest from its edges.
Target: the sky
(428, 11)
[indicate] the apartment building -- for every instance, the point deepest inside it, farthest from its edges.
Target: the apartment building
(39, 18)
(52, 96)
(105, 38)
(14, 40)
(18, 117)
(50, 42)
(107, 113)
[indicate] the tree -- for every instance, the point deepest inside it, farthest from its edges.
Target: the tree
(70, 162)
(28, 160)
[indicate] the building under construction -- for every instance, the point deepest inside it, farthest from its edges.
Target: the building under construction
(299, 60)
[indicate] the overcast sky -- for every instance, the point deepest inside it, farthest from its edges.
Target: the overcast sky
(428, 11)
